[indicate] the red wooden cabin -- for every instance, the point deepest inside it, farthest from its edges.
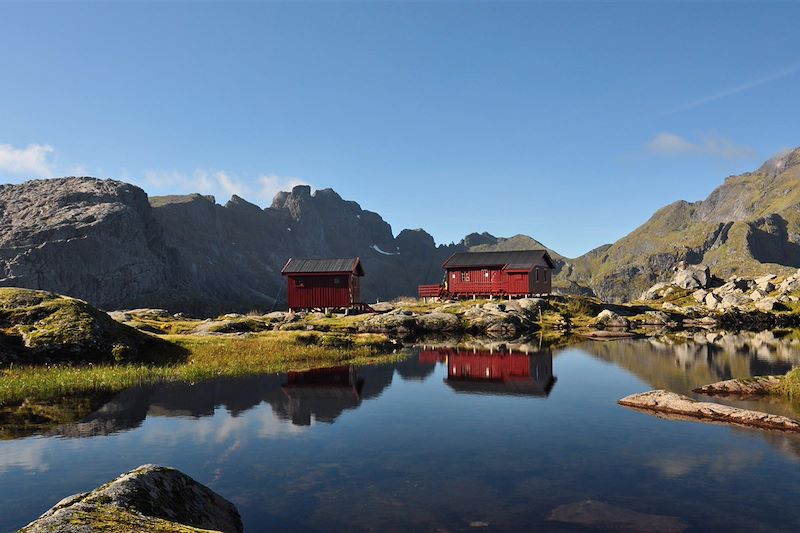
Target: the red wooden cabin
(517, 273)
(323, 283)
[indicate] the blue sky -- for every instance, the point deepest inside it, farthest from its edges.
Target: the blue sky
(570, 122)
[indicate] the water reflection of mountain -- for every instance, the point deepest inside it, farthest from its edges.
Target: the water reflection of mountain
(484, 371)
(129, 409)
(682, 365)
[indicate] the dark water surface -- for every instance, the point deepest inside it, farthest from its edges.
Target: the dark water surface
(441, 441)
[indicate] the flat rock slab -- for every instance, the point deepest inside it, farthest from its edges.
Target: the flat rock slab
(756, 386)
(608, 334)
(660, 401)
(594, 514)
(149, 498)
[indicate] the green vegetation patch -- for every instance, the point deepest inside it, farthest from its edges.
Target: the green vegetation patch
(790, 385)
(103, 517)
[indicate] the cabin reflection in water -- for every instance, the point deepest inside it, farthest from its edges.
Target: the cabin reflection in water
(323, 393)
(482, 371)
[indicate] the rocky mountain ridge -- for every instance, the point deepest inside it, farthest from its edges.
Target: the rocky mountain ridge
(106, 242)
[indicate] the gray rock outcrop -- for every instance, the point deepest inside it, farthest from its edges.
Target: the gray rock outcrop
(609, 319)
(691, 276)
(94, 239)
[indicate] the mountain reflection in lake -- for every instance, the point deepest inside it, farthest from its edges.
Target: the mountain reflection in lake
(445, 438)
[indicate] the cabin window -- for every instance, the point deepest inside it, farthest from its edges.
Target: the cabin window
(464, 276)
(485, 273)
(537, 274)
(544, 275)
(337, 281)
(299, 283)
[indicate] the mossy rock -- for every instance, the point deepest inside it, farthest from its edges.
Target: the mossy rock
(149, 498)
(42, 327)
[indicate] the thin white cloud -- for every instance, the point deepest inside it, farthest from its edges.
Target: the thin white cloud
(672, 144)
(222, 185)
(769, 78)
(33, 161)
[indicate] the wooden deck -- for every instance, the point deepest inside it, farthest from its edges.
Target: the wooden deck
(430, 291)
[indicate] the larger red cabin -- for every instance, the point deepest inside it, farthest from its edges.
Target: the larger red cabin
(516, 273)
(323, 283)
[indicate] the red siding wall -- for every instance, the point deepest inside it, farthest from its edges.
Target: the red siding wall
(322, 290)
(494, 281)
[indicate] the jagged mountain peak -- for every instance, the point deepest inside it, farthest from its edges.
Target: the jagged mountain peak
(780, 162)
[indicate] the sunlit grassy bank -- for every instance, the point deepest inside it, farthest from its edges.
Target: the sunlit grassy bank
(790, 385)
(206, 357)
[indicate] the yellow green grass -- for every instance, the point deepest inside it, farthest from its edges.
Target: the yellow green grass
(790, 385)
(207, 357)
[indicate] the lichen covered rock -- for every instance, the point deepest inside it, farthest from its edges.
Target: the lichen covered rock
(149, 498)
(40, 326)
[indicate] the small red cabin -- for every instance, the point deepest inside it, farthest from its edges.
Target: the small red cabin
(517, 273)
(323, 283)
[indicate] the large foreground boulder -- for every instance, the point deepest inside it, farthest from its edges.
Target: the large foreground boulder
(149, 498)
(39, 327)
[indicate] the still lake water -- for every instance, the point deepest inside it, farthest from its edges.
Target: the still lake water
(442, 441)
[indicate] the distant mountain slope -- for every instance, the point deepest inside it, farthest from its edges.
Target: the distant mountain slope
(748, 225)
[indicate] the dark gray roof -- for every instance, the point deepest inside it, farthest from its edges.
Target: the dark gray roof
(517, 260)
(311, 266)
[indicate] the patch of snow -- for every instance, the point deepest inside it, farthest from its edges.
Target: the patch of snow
(288, 229)
(358, 216)
(377, 249)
